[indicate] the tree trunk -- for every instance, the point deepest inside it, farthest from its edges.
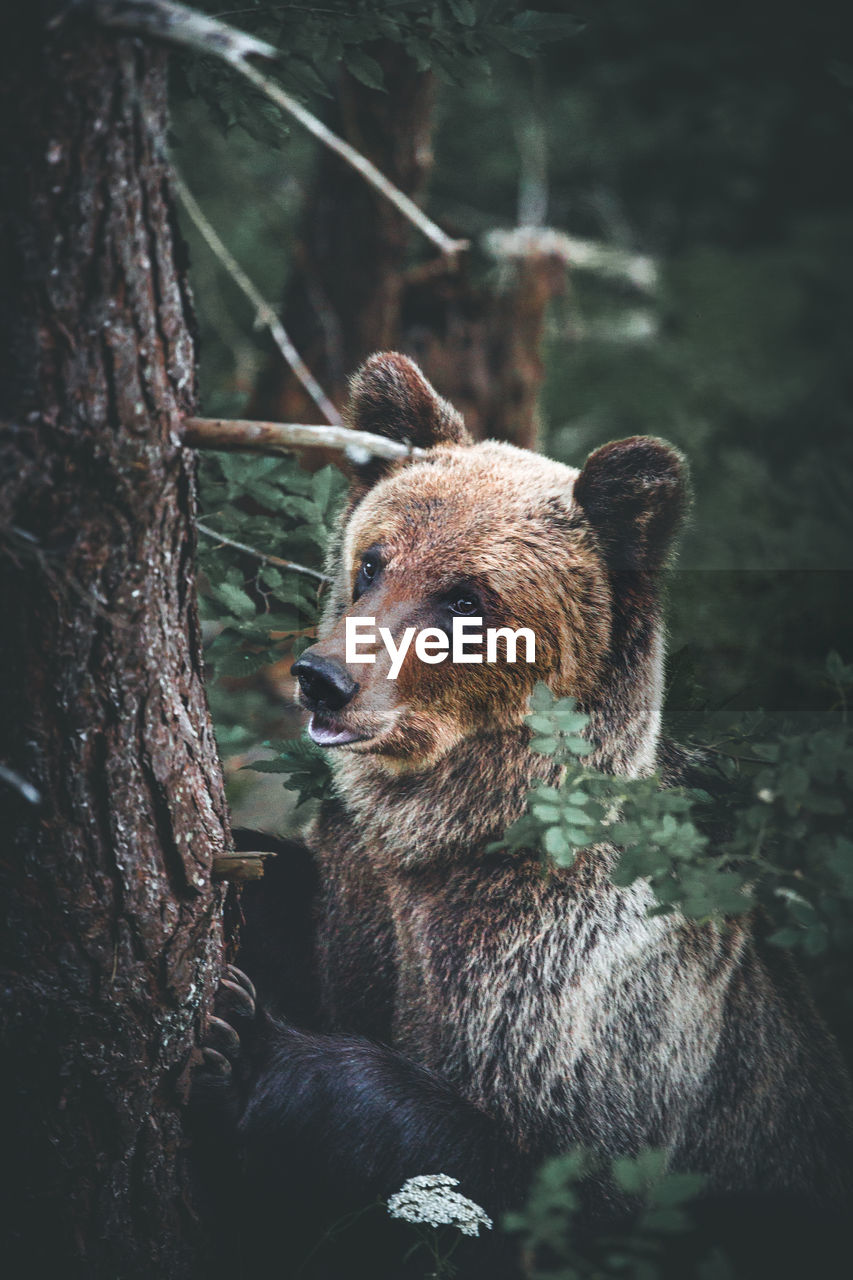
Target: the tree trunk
(476, 330)
(112, 938)
(343, 298)
(475, 326)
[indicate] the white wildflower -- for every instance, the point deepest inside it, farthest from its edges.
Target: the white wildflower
(429, 1198)
(766, 795)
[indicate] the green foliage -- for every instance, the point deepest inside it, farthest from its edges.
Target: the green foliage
(304, 765)
(653, 826)
(559, 821)
(786, 845)
(454, 38)
(662, 843)
(792, 827)
(258, 611)
(657, 1208)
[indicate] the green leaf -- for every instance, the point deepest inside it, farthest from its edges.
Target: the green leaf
(541, 699)
(270, 766)
(235, 599)
(555, 842)
(539, 723)
(464, 11)
(240, 663)
(547, 813)
(365, 69)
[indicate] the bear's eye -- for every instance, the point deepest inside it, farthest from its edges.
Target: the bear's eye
(465, 603)
(367, 573)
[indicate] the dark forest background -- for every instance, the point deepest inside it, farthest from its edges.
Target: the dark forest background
(656, 202)
(712, 143)
(716, 140)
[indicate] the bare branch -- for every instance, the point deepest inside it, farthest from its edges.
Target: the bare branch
(265, 315)
(446, 244)
(239, 866)
(241, 436)
(589, 255)
(25, 789)
(291, 565)
(176, 24)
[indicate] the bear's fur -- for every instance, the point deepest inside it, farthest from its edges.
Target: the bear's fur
(527, 1012)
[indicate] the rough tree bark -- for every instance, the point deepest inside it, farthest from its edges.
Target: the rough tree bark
(111, 939)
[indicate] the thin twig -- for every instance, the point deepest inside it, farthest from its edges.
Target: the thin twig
(238, 435)
(264, 314)
(25, 789)
(261, 555)
(176, 24)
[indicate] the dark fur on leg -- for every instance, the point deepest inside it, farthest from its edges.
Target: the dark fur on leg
(327, 1126)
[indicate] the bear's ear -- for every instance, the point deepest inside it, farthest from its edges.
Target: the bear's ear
(389, 396)
(634, 493)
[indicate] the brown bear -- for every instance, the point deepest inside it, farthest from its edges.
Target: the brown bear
(477, 1015)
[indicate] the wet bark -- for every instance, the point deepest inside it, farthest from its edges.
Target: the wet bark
(111, 938)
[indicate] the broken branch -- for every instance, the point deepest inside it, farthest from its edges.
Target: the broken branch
(239, 866)
(636, 269)
(238, 435)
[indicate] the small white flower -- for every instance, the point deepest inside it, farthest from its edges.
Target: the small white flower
(429, 1198)
(766, 795)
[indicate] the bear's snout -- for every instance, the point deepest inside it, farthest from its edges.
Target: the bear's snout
(325, 683)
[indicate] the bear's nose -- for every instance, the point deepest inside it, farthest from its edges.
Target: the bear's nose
(325, 683)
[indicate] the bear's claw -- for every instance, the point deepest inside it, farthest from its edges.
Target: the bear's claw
(216, 1066)
(221, 1037)
(241, 979)
(233, 1015)
(233, 1001)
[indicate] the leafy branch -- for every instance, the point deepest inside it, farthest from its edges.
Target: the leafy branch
(787, 847)
(280, 563)
(305, 768)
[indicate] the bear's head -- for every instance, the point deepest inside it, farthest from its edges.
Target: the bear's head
(488, 531)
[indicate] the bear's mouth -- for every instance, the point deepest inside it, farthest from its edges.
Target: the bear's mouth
(328, 732)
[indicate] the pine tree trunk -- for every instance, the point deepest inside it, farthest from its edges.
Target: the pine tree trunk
(112, 799)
